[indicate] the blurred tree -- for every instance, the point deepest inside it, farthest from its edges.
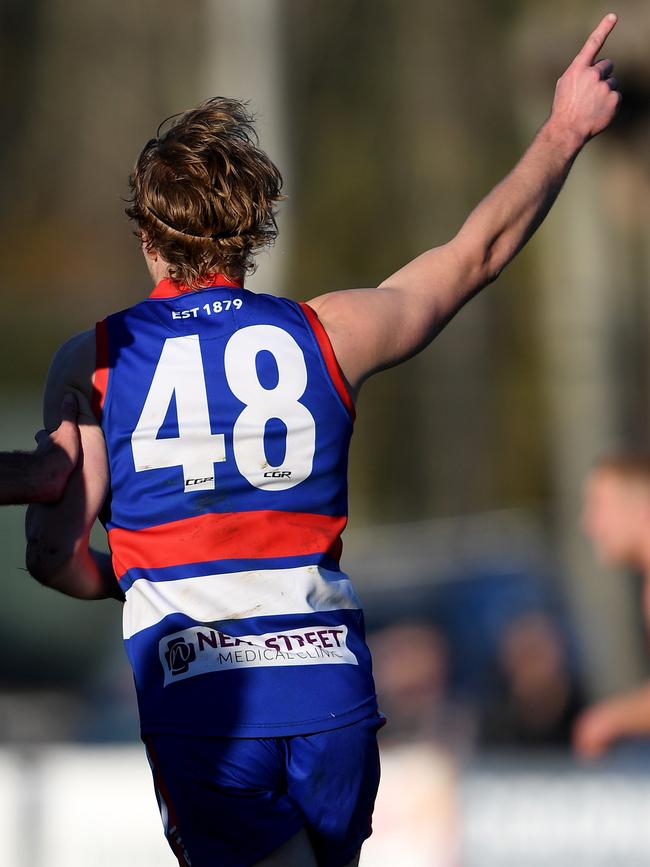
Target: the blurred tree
(399, 127)
(88, 85)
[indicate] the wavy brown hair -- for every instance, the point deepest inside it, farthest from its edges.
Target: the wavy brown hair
(203, 194)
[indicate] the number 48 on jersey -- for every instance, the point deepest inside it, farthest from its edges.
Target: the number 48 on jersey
(196, 449)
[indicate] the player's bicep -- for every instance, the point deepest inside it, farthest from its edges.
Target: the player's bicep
(439, 277)
(373, 329)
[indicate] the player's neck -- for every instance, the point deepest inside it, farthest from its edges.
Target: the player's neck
(159, 270)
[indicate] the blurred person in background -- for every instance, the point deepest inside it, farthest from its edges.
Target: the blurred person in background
(536, 698)
(247, 641)
(41, 476)
(486, 616)
(616, 518)
(411, 667)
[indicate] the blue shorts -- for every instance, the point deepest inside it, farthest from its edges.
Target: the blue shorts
(232, 801)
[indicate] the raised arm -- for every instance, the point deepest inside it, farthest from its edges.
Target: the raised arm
(40, 476)
(58, 552)
(372, 329)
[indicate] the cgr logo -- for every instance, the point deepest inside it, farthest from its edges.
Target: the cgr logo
(179, 655)
(189, 483)
(277, 474)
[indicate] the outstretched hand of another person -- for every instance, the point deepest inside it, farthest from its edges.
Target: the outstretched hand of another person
(42, 475)
(587, 96)
(58, 452)
(595, 731)
(622, 716)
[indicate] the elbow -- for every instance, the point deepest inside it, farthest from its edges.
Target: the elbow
(496, 256)
(66, 570)
(38, 565)
(44, 562)
(496, 260)
(480, 271)
(492, 274)
(488, 266)
(481, 261)
(476, 265)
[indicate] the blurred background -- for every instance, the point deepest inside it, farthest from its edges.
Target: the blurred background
(491, 623)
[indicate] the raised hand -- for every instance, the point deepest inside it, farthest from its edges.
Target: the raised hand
(587, 95)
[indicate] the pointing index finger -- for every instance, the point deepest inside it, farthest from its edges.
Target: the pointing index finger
(594, 44)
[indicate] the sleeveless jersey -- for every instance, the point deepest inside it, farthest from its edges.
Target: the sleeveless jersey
(227, 425)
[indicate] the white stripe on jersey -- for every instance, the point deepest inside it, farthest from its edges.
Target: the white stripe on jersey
(237, 595)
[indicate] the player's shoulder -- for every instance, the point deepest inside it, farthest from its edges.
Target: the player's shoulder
(72, 369)
(76, 356)
(272, 307)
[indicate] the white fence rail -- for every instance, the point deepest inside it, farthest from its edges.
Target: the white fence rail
(79, 806)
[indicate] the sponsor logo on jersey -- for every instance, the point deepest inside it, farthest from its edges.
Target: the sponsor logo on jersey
(190, 483)
(201, 649)
(179, 655)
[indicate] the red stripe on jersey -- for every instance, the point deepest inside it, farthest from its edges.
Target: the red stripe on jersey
(335, 372)
(226, 536)
(100, 375)
(168, 288)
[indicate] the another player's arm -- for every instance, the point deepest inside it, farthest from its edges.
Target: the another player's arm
(623, 716)
(40, 476)
(372, 329)
(58, 552)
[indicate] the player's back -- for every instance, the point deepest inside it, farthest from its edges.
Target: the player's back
(227, 425)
